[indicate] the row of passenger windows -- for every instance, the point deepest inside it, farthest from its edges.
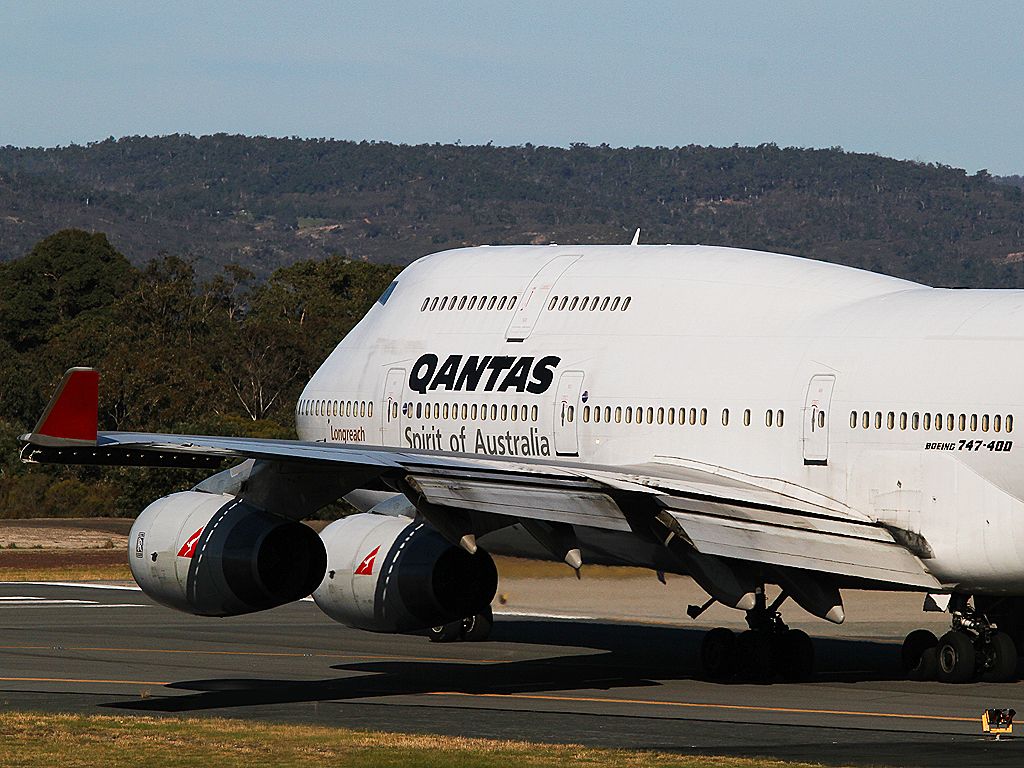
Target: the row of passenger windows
(363, 408)
(468, 411)
(939, 421)
(651, 415)
(570, 303)
(467, 303)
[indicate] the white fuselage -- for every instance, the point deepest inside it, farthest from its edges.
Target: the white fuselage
(898, 400)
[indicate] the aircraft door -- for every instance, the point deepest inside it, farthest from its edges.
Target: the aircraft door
(535, 296)
(567, 407)
(391, 410)
(816, 418)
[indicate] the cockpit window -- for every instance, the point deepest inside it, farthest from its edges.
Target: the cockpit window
(387, 293)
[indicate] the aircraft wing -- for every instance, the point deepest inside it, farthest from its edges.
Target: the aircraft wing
(717, 513)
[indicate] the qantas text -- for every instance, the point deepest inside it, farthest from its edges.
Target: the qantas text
(489, 372)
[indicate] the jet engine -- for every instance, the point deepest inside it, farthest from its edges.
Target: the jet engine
(216, 555)
(393, 574)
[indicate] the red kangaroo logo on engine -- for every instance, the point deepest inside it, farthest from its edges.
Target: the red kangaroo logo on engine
(189, 547)
(366, 567)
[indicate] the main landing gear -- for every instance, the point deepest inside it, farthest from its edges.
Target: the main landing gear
(973, 649)
(767, 648)
(475, 628)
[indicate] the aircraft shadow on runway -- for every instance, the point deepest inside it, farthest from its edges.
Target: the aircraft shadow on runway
(627, 656)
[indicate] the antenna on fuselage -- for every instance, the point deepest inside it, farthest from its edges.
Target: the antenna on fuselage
(636, 237)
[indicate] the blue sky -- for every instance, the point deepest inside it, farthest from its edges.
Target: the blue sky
(934, 81)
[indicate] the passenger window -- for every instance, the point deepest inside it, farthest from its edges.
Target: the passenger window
(949, 421)
(661, 415)
(703, 416)
(426, 302)
(362, 409)
(625, 304)
(891, 420)
(927, 421)
(725, 417)
(562, 303)
(962, 421)
(615, 303)
(490, 304)
(769, 418)
(608, 413)
(671, 415)
(693, 416)
(551, 304)
(650, 415)
(419, 410)
(583, 303)
(483, 413)
(504, 412)
(746, 418)
(593, 303)
(501, 304)
(462, 303)
(915, 421)
(984, 423)
(974, 422)
(473, 411)
(853, 419)
(938, 421)
(437, 410)
(515, 413)
(444, 303)
(445, 410)
(1009, 423)
(472, 303)
(618, 414)
(494, 412)
(533, 412)
(903, 421)
(604, 304)
(433, 304)
(597, 414)
(629, 414)
(569, 413)
(573, 303)
(997, 422)
(878, 419)
(512, 303)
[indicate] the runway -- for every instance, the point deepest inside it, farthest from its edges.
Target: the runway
(598, 682)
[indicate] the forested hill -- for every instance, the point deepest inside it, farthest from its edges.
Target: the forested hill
(263, 203)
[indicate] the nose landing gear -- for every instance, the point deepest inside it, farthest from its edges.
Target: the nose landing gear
(767, 648)
(974, 648)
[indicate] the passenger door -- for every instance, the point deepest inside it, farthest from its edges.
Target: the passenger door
(391, 410)
(816, 418)
(567, 406)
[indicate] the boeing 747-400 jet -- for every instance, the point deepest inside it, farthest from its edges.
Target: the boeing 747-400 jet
(745, 418)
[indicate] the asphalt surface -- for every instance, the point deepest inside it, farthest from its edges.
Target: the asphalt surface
(604, 683)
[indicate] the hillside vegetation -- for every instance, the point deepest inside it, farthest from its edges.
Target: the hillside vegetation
(264, 203)
(227, 355)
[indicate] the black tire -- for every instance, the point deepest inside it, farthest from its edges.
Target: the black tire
(445, 633)
(754, 658)
(913, 655)
(477, 628)
(794, 655)
(956, 657)
(1001, 659)
(718, 653)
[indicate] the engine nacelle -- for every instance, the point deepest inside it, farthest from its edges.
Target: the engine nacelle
(215, 555)
(392, 574)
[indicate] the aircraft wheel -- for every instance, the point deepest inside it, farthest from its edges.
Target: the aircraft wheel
(1001, 653)
(794, 655)
(718, 653)
(754, 657)
(918, 662)
(956, 657)
(445, 633)
(477, 627)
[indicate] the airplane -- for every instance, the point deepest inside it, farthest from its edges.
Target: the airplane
(745, 418)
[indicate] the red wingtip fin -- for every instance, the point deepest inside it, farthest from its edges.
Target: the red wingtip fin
(72, 412)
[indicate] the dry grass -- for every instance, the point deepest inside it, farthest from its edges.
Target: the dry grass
(70, 572)
(31, 739)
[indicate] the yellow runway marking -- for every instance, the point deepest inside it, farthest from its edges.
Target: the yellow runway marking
(698, 705)
(283, 654)
(74, 680)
